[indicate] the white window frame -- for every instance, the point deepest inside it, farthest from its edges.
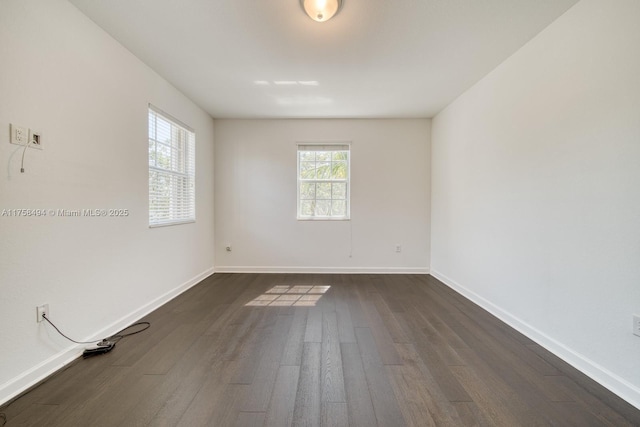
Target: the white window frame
(177, 203)
(324, 146)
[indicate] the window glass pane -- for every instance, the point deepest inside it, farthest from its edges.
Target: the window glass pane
(339, 155)
(307, 191)
(307, 170)
(323, 190)
(339, 190)
(323, 155)
(324, 170)
(307, 207)
(307, 156)
(338, 208)
(323, 207)
(339, 170)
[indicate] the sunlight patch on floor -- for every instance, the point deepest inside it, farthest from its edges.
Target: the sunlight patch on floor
(288, 296)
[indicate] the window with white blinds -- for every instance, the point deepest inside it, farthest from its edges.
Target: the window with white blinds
(171, 170)
(323, 181)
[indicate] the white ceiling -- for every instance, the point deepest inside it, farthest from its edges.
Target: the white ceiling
(376, 58)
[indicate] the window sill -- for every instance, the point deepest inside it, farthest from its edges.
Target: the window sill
(322, 219)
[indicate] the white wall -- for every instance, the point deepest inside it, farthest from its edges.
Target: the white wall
(255, 175)
(536, 191)
(64, 76)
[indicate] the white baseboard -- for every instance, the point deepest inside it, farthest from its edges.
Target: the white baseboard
(323, 270)
(33, 376)
(603, 376)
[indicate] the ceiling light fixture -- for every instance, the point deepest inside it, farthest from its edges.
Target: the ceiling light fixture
(321, 10)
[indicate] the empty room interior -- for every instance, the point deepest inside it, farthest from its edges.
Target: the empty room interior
(320, 212)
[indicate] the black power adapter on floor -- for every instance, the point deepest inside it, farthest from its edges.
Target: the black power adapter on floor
(105, 345)
(102, 347)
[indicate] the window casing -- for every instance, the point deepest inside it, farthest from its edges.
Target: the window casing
(171, 170)
(323, 181)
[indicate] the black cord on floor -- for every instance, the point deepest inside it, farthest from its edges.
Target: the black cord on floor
(113, 338)
(119, 335)
(3, 419)
(44, 316)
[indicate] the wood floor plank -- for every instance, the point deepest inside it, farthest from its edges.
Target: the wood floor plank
(229, 405)
(386, 410)
(389, 319)
(163, 357)
(377, 327)
(188, 377)
(178, 387)
(470, 415)
(248, 352)
(434, 366)
(332, 378)
(283, 397)
(249, 328)
(393, 300)
(207, 400)
(122, 401)
(63, 387)
(346, 332)
(334, 414)
(120, 394)
(307, 404)
(258, 398)
(250, 419)
(433, 309)
(88, 396)
(313, 330)
(423, 330)
(358, 318)
(420, 382)
(412, 406)
(495, 407)
(292, 354)
(359, 404)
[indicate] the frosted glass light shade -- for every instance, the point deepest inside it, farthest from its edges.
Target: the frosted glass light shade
(321, 10)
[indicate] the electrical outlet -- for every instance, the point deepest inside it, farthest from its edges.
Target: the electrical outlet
(35, 139)
(636, 325)
(42, 310)
(398, 248)
(228, 248)
(19, 134)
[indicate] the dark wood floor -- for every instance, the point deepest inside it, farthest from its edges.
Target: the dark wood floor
(374, 350)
